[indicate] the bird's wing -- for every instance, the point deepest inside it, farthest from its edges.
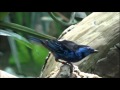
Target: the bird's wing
(71, 45)
(54, 46)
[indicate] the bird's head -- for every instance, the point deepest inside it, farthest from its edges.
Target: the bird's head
(87, 50)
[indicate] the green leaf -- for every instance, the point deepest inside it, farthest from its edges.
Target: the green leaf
(18, 17)
(23, 29)
(23, 54)
(39, 54)
(16, 37)
(27, 18)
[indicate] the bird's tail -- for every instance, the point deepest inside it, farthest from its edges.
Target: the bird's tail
(49, 44)
(34, 39)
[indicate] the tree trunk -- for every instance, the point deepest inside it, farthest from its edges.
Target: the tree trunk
(99, 30)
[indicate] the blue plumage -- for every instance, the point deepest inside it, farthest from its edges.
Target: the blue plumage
(67, 50)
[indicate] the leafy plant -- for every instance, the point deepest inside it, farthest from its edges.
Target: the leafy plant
(17, 37)
(38, 53)
(3, 15)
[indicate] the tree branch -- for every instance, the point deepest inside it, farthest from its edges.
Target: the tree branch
(4, 74)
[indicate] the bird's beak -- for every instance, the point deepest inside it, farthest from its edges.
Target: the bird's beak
(95, 51)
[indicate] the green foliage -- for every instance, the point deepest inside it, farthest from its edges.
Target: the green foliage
(27, 19)
(23, 29)
(59, 28)
(17, 37)
(3, 15)
(22, 18)
(23, 54)
(34, 56)
(39, 54)
(18, 17)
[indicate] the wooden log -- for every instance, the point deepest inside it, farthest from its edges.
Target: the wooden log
(64, 72)
(4, 74)
(99, 30)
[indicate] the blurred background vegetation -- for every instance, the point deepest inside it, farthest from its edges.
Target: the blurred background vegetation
(20, 60)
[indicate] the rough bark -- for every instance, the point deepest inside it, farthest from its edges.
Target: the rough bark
(109, 66)
(99, 30)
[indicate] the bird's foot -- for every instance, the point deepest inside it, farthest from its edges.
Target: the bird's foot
(70, 64)
(67, 63)
(63, 62)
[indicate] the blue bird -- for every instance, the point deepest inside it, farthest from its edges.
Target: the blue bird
(66, 50)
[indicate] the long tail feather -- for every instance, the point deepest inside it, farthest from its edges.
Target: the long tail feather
(49, 44)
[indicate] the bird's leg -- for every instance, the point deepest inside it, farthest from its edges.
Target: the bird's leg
(59, 61)
(71, 67)
(67, 63)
